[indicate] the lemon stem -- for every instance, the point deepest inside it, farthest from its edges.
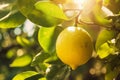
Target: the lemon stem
(77, 19)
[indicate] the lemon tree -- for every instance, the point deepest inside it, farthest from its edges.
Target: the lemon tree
(59, 40)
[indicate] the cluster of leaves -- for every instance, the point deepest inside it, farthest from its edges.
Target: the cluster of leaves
(50, 19)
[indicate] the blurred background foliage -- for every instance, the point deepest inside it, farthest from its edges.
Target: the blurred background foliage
(17, 48)
(29, 28)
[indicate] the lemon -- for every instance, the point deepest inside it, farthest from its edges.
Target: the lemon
(74, 46)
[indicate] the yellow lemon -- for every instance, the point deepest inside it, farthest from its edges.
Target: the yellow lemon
(74, 46)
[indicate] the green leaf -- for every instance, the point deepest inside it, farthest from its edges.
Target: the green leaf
(11, 53)
(113, 5)
(50, 9)
(99, 17)
(47, 38)
(43, 78)
(39, 58)
(24, 75)
(43, 66)
(34, 77)
(28, 9)
(100, 14)
(23, 41)
(104, 36)
(6, 1)
(58, 72)
(21, 61)
(4, 10)
(104, 50)
(12, 20)
(53, 60)
(117, 44)
(111, 75)
(10, 17)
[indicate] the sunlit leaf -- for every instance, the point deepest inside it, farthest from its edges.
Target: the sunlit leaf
(39, 58)
(23, 41)
(47, 38)
(104, 50)
(21, 61)
(11, 53)
(42, 79)
(24, 75)
(99, 16)
(12, 20)
(104, 36)
(50, 9)
(28, 9)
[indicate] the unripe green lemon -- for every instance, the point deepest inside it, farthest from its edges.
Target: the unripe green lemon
(74, 46)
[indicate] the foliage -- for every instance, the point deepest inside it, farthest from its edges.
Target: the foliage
(29, 29)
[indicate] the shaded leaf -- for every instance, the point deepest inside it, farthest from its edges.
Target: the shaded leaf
(117, 44)
(104, 36)
(5, 7)
(34, 77)
(24, 75)
(39, 58)
(21, 61)
(4, 10)
(42, 67)
(12, 21)
(113, 5)
(58, 72)
(50, 9)
(47, 38)
(52, 59)
(111, 75)
(6, 1)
